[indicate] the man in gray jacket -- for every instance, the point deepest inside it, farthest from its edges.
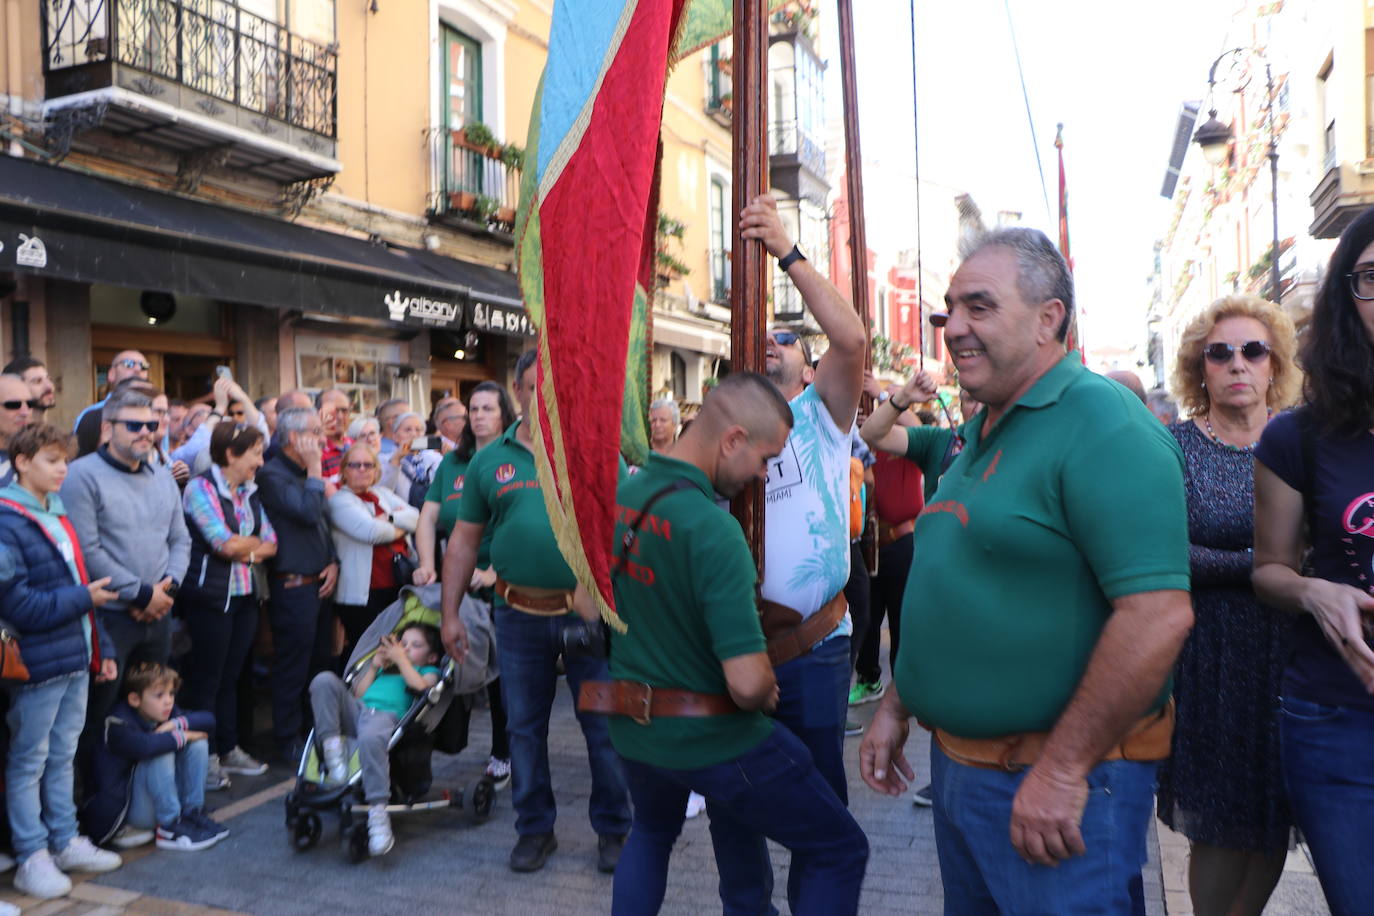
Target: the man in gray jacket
(128, 518)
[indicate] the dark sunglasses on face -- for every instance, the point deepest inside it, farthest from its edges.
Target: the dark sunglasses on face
(784, 338)
(360, 465)
(141, 365)
(136, 426)
(15, 405)
(1222, 353)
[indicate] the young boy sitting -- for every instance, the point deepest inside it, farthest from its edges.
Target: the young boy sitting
(370, 713)
(151, 765)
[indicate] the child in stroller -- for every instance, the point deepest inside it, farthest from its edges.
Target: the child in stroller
(375, 730)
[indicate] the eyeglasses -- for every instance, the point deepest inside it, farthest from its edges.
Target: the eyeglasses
(136, 426)
(360, 466)
(140, 364)
(1361, 284)
(15, 405)
(784, 338)
(1223, 353)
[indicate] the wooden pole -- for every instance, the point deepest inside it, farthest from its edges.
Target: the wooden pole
(748, 264)
(854, 182)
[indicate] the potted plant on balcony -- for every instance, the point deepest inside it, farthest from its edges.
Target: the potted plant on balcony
(480, 139)
(485, 208)
(513, 155)
(727, 102)
(462, 201)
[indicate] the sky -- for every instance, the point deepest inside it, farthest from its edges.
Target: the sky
(1115, 75)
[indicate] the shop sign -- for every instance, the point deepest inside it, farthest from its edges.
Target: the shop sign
(422, 309)
(31, 252)
(501, 319)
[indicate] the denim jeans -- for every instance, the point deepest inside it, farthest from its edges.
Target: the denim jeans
(45, 721)
(302, 640)
(527, 647)
(813, 695)
(983, 874)
(220, 640)
(1326, 753)
(167, 785)
(773, 789)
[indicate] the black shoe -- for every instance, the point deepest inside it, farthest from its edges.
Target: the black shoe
(609, 846)
(532, 850)
(923, 797)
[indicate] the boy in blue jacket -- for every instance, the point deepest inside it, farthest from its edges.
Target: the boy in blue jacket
(149, 768)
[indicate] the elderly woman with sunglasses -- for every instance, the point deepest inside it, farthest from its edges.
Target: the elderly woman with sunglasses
(370, 525)
(1222, 786)
(1314, 552)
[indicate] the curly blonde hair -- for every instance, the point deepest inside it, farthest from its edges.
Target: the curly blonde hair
(1187, 378)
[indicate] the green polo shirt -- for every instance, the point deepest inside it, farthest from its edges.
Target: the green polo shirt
(446, 489)
(1075, 498)
(501, 491)
(687, 596)
(927, 447)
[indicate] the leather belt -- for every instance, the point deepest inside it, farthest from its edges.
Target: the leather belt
(553, 603)
(1148, 739)
(294, 580)
(889, 533)
(794, 642)
(642, 703)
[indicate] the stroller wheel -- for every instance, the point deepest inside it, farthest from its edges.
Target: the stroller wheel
(355, 843)
(307, 831)
(483, 797)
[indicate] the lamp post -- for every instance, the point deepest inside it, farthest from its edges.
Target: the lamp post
(1214, 138)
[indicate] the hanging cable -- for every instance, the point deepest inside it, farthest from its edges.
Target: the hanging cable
(1030, 121)
(916, 153)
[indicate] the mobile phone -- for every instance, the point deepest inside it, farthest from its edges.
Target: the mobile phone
(224, 372)
(422, 443)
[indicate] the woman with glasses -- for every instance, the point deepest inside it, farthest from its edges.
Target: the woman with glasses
(1222, 786)
(370, 525)
(368, 431)
(1314, 557)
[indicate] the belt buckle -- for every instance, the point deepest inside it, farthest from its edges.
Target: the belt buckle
(643, 718)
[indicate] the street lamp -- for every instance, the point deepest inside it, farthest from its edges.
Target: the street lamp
(1214, 138)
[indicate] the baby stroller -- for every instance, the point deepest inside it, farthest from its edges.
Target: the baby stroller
(437, 720)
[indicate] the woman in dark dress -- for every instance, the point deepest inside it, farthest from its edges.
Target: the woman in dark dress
(1222, 786)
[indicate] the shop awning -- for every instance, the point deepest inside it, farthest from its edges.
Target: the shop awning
(62, 223)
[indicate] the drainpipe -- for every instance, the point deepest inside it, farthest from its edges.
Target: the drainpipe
(14, 70)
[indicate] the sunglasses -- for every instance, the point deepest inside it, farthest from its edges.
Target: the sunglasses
(139, 364)
(1222, 353)
(136, 426)
(15, 405)
(784, 338)
(360, 466)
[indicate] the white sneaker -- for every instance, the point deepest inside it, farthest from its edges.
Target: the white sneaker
(130, 837)
(379, 838)
(6, 862)
(216, 780)
(240, 761)
(9, 909)
(83, 855)
(335, 765)
(498, 771)
(39, 877)
(695, 805)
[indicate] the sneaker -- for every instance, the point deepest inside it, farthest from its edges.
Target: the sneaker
(185, 835)
(853, 727)
(532, 850)
(335, 764)
(38, 876)
(9, 909)
(6, 862)
(379, 838)
(130, 837)
(923, 797)
(608, 849)
(864, 692)
(216, 780)
(239, 761)
(199, 817)
(83, 855)
(498, 771)
(695, 805)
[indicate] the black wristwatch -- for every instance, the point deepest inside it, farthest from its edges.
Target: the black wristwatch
(171, 588)
(790, 258)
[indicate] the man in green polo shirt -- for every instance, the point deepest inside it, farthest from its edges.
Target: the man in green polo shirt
(685, 587)
(531, 608)
(1047, 601)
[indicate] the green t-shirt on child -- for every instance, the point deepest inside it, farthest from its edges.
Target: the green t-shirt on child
(388, 692)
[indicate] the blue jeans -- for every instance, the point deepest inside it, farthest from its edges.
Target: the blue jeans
(774, 790)
(1326, 753)
(167, 785)
(302, 639)
(983, 874)
(527, 648)
(813, 693)
(45, 721)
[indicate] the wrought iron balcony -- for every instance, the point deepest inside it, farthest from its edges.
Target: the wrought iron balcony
(196, 75)
(479, 185)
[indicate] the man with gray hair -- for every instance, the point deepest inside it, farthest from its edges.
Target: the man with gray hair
(126, 511)
(16, 409)
(664, 420)
(303, 573)
(387, 412)
(1052, 563)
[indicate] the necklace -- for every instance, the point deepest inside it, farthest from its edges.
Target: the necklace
(1207, 422)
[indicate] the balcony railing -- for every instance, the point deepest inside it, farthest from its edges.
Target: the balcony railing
(786, 138)
(211, 46)
(720, 275)
(787, 302)
(478, 184)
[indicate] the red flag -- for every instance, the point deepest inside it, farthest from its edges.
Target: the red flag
(1075, 338)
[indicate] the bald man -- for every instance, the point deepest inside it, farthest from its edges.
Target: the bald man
(1130, 380)
(685, 587)
(126, 364)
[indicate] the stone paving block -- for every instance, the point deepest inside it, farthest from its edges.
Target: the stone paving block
(98, 893)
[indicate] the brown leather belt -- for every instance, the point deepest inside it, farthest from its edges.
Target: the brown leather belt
(889, 533)
(1148, 739)
(543, 602)
(785, 644)
(294, 580)
(642, 703)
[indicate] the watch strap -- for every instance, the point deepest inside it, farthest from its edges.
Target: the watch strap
(790, 258)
